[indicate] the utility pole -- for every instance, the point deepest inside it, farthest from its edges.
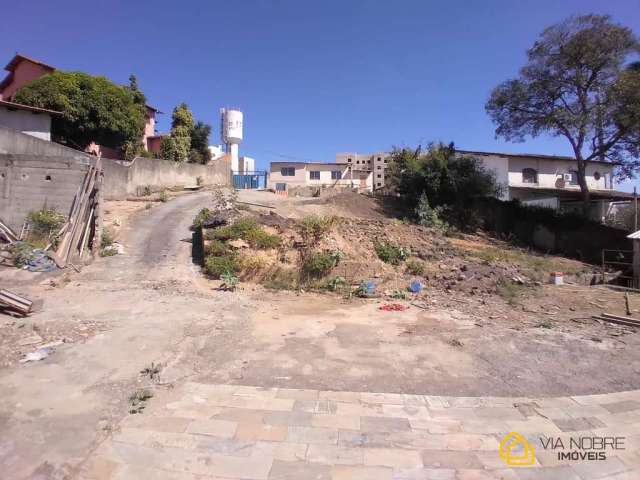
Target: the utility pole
(635, 210)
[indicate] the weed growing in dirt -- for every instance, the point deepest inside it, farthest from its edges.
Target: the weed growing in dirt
(145, 191)
(229, 281)
(539, 264)
(20, 253)
(44, 225)
(217, 266)
(280, 279)
(201, 217)
(152, 371)
(399, 294)
(163, 196)
(336, 283)
(108, 252)
(390, 253)
(511, 292)
(454, 342)
(138, 400)
(250, 265)
(247, 229)
(318, 264)
(242, 207)
(313, 227)
(148, 206)
(414, 267)
(262, 240)
(216, 248)
(107, 238)
(548, 324)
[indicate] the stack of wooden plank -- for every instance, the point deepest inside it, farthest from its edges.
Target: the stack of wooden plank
(619, 319)
(13, 303)
(83, 228)
(6, 234)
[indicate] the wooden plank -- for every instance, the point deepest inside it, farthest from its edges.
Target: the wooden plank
(620, 317)
(615, 320)
(15, 302)
(12, 237)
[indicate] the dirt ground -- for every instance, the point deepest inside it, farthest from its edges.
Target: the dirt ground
(151, 304)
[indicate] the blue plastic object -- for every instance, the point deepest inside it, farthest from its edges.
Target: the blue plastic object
(371, 287)
(415, 286)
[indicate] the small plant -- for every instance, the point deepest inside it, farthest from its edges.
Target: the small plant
(200, 181)
(454, 342)
(280, 279)
(336, 283)
(217, 248)
(152, 371)
(260, 239)
(146, 191)
(362, 291)
(318, 264)
(108, 251)
(399, 294)
(510, 291)
(390, 253)
(229, 281)
(427, 216)
(243, 207)
(313, 227)
(216, 266)
(107, 238)
(415, 267)
(201, 217)
(21, 253)
(548, 324)
(148, 206)
(163, 196)
(250, 265)
(138, 400)
(44, 226)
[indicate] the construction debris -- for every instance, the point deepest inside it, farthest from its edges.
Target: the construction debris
(619, 319)
(12, 303)
(85, 220)
(6, 234)
(38, 355)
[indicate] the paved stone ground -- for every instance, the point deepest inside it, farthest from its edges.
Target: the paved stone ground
(202, 431)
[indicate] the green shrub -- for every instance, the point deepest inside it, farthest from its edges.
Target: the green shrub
(280, 279)
(216, 248)
(262, 240)
(46, 222)
(107, 238)
(313, 227)
(390, 253)
(239, 229)
(336, 283)
(201, 217)
(319, 264)
(415, 267)
(230, 281)
(21, 253)
(427, 216)
(164, 196)
(215, 266)
(510, 291)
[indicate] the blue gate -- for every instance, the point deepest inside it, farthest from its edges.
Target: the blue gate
(249, 180)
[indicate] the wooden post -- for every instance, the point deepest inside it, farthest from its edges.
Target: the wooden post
(635, 210)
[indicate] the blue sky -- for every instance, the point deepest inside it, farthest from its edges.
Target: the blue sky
(313, 78)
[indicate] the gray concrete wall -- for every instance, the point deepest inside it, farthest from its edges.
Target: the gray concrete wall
(32, 182)
(14, 142)
(123, 179)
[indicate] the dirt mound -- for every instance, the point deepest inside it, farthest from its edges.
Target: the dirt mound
(350, 204)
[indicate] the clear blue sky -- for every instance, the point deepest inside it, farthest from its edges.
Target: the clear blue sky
(313, 78)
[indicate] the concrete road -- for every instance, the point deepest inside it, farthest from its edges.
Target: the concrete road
(54, 411)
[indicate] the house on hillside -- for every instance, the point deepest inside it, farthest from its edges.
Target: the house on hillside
(33, 121)
(23, 70)
(551, 180)
(285, 176)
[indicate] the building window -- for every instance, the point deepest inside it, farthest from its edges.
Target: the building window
(349, 160)
(529, 175)
(597, 176)
(379, 159)
(574, 177)
(379, 167)
(336, 174)
(357, 161)
(288, 171)
(368, 161)
(379, 184)
(314, 175)
(385, 160)
(379, 176)
(281, 187)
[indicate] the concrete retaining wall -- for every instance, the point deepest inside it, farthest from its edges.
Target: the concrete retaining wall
(14, 142)
(123, 179)
(33, 182)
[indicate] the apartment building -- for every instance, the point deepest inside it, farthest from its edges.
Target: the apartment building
(376, 163)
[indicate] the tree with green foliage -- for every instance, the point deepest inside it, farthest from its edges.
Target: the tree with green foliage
(179, 146)
(94, 109)
(200, 152)
(577, 84)
(441, 175)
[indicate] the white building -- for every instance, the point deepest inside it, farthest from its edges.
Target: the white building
(291, 175)
(32, 121)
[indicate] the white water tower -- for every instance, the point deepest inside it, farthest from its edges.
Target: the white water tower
(231, 133)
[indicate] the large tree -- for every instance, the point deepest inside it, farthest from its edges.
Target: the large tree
(575, 84)
(200, 152)
(94, 109)
(177, 146)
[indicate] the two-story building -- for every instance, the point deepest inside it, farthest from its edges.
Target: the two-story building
(23, 70)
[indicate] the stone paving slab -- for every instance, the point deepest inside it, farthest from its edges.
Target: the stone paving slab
(208, 432)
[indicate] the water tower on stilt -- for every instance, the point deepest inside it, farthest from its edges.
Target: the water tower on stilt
(231, 134)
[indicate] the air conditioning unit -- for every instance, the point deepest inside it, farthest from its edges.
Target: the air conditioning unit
(567, 177)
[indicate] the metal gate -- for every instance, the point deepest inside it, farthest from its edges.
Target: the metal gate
(249, 180)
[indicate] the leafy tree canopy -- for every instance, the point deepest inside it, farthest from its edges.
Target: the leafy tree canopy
(440, 175)
(577, 84)
(200, 152)
(93, 109)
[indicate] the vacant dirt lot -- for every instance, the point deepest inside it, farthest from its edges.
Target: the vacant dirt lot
(152, 305)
